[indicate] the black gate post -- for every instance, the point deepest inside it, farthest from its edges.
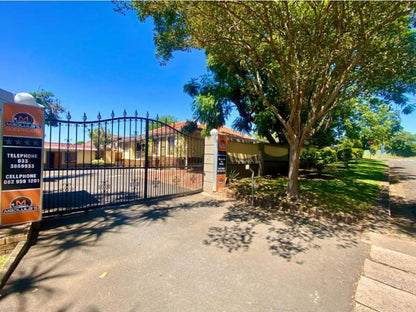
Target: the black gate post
(146, 156)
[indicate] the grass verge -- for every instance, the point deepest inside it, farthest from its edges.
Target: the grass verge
(352, 191)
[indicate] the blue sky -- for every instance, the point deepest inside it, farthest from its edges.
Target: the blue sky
(95, 60)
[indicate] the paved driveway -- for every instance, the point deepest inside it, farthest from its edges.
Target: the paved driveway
(76, 189)
(194, 253)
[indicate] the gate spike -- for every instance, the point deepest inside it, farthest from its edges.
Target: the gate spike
(147, 115)
(84, 117)
(99, 116)
(112, 114)
(157, 117)
(68, 116)
(124, 113)
(135, 113)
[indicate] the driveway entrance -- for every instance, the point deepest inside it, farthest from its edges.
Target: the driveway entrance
(194, 253)
(90, 164)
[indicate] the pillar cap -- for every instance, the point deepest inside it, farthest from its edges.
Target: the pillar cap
(25, 98)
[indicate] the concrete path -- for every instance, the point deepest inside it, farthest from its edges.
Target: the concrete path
(388, 281)
(187, 254)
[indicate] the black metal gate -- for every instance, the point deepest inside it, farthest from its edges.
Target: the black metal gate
(89, 164)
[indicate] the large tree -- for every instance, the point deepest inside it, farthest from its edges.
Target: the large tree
(167, 119)
(403, 144)
(370, 120)
(52, 105)
(314, 55)
(101, 139)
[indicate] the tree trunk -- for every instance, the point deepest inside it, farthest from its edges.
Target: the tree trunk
(294, 163)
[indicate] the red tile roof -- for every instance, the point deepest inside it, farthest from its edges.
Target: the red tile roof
(230, 132)
(221, 130)
(178, 127)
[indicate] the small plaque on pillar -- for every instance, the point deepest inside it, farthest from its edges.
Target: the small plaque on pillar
(221, 161)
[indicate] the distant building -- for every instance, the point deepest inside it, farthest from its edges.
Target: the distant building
(6, 97)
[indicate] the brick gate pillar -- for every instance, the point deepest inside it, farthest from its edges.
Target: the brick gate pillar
(209, 155)
(215, 161)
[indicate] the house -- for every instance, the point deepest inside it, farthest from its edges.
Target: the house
(169, 147)
(62, 155)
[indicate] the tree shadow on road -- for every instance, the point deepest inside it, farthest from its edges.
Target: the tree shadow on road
(231, 238)
(58, 237)
(81, 230)
(31, 281)
(301, 234)
(399, 174)
(287, 235)
(402, 203)
(403, 216)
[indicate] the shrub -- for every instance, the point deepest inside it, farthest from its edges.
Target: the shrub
(330, 154)
(231, 175)
(373, 149)
(357, 144)
(319, 158)
(345, 155)
(308, 156)
(357, 153)
(324, 157)
(98, 162)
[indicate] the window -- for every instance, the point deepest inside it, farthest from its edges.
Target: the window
(140, 147)
(171, 145)
(156, 146)
(126, 146)
(69, 157)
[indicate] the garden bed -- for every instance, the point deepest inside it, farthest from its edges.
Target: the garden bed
(340, 194)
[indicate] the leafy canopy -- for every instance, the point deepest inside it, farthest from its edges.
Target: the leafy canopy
(403, 144)
(316, 54)
(101, 139)
(52, 106)
(302, 59)
(167, 119)
(221, 89)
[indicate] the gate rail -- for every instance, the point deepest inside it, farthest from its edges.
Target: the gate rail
(90, 164)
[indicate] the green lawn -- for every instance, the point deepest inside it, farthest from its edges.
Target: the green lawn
(352, 191)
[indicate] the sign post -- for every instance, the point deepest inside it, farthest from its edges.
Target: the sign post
(221, 162)
(21, 148)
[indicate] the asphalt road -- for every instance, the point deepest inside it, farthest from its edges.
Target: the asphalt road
(388, 281)
(195, 253)
(403, 192)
